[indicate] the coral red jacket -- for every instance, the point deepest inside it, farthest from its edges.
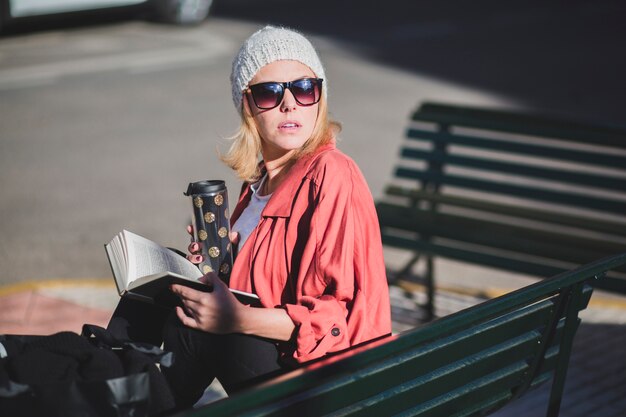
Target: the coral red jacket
(317, 253)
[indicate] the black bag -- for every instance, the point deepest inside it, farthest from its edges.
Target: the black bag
(93, 374)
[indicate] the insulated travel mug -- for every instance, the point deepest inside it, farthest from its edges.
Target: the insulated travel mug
(211, 226)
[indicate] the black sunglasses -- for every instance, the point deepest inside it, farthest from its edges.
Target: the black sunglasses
(306, 91)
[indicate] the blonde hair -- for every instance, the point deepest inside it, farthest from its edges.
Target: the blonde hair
(243, 155)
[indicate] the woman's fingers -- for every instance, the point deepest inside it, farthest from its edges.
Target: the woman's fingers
(194, 248)
(186, 293)
(195, 259)
(189, 312)
(185, 319)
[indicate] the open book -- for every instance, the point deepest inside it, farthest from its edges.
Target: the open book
(144, 270)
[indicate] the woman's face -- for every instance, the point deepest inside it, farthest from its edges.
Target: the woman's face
(289, 125)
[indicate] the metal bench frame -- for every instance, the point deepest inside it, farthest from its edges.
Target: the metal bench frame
(514, 191)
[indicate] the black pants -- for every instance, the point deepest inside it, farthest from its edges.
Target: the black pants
(237, 361)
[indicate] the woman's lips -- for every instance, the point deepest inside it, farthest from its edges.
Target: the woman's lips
(289, 125)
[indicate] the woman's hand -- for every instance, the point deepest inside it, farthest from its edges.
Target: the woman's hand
(216, 312)
(219, 312)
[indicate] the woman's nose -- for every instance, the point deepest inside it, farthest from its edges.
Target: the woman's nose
(289, 102)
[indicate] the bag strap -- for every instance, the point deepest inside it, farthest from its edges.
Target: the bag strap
(103, 338)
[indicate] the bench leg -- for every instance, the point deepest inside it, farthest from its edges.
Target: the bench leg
(429, 282)
(429, 308)
(569, 331)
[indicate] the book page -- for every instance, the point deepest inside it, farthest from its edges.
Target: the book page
(146, 257)
(117, 260)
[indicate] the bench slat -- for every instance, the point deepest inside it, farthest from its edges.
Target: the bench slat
(480, 390)
(600, 158)
(544, 270)
(566, 198)
(483, 394)
(424, 387)
(526, 171)
(492, 390)
(525, 240)
(517, 122)
(581, 222)
(489, 404)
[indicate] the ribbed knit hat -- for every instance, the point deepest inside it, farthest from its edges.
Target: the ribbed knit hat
(266, 46)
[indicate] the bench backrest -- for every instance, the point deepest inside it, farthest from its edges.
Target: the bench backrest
(473, 361)
(525, 193)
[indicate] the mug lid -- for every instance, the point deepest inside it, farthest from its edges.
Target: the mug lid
(205, 187)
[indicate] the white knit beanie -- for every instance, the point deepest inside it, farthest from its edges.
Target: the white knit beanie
(266, 46)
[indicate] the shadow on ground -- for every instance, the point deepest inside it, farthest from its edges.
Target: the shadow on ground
(563, 58)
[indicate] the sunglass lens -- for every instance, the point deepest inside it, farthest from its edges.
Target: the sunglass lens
(267, 95)
(306, 91)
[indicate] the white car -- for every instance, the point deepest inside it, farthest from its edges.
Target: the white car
(182, 12)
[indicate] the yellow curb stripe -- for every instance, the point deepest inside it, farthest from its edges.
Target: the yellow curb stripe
(603, 302)
(55, 283)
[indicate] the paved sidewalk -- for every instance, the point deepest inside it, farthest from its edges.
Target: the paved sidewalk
(47, 307)
(596, 383)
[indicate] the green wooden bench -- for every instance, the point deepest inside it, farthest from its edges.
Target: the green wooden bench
(469, 363)
(522, 193)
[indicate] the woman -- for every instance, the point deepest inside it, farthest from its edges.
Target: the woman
(306, 229)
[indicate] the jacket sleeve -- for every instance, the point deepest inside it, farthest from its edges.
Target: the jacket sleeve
(349, 266)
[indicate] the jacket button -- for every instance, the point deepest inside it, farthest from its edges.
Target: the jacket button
(335, 331)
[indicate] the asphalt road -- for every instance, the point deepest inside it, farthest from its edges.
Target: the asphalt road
(103, 126)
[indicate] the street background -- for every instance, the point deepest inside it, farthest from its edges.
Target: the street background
(104, 122)
(103, 125)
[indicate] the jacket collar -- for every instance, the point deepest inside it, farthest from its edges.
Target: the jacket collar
(279, 205)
